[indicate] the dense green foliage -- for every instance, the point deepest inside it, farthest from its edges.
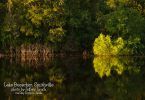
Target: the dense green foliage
(32, 21)
(72, 25)
(104, 46)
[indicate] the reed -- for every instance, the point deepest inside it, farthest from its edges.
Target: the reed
(31, 50)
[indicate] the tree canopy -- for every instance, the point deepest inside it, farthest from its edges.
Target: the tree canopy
(70, 25)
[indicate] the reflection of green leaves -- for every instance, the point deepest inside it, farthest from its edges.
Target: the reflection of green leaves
(55, 75)
(128, 85)
(124, 87)
(104, 65)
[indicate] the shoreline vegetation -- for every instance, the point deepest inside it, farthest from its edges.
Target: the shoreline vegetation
(34, 28)
(30, 54)
(39, 50)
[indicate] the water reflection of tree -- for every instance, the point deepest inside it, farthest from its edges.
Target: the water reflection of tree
(127, 86)
(104, 66)
(76, 79)
(124, 87)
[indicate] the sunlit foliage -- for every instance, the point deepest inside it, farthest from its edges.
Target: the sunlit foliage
(103, 45)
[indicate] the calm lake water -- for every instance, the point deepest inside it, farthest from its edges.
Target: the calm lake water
(72, 78)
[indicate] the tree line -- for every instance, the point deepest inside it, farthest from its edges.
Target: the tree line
(72, 25)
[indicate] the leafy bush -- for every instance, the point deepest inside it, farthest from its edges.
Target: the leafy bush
(103, 45)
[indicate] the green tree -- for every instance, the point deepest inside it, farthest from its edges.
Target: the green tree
(103, 45)
(125, 22)
(80, 22)
(32, 21)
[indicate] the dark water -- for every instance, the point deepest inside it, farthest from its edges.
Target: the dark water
(73, 78)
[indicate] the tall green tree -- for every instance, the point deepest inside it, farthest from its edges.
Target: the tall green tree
(33, 21)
